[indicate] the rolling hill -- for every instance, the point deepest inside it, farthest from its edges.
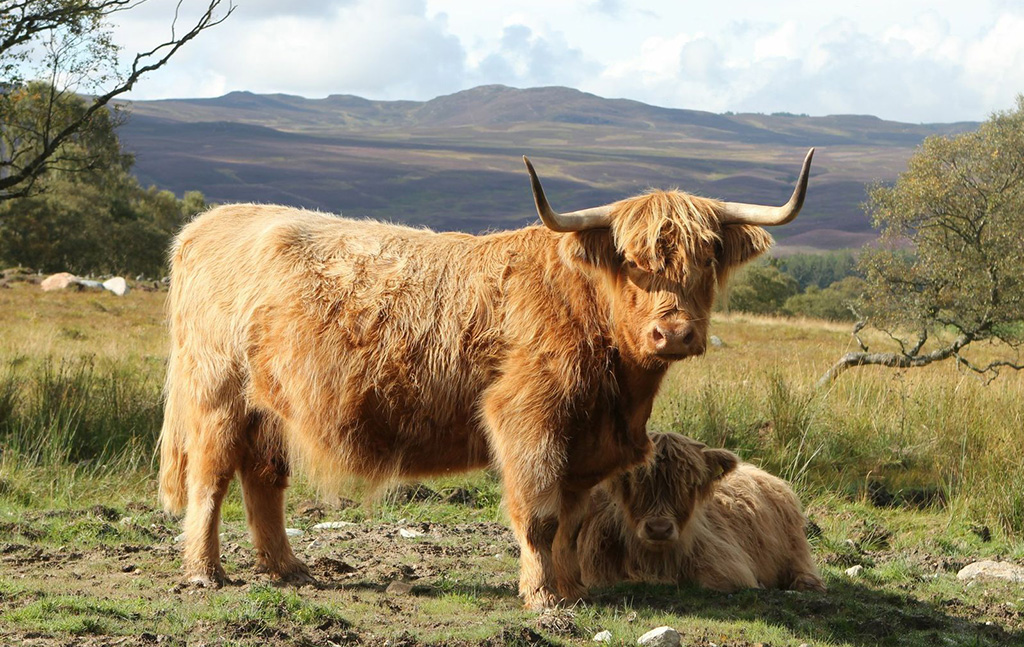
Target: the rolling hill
(454, 162)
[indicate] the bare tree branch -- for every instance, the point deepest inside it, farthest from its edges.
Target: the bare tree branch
(17, 179)
(893, 360)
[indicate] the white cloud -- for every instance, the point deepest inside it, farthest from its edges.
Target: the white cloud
(525, 58)
(916, 60)
(994, 64)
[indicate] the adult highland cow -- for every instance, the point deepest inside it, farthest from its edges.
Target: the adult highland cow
(357, 347)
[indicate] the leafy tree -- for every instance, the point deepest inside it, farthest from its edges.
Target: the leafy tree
(760, 289)
(69, 44)
(96, 219)
(950, 271)
(835, 303)
(821, 269)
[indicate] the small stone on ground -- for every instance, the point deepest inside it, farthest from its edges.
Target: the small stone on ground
(333, 525)
(992, 570)
(399, 587)
(660, 637)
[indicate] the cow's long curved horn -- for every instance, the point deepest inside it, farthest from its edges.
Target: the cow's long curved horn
(594, 218)
(739, 213)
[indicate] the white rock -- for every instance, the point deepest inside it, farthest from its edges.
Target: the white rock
(990, 569)
(293, 532)
(117, 285)
(333, 525)
(716, 341)
(660, 637)
(58, 281)
(854, 571)
(603, 636)
(409, 533)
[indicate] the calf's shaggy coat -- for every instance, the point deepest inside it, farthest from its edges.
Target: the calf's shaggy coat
(696, 514)
(355, 347)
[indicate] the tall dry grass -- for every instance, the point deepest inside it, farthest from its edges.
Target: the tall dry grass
(80, 396)
(933, 436)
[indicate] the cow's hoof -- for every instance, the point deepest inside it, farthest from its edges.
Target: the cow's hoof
(808, 582)
(572, 594)
(207, 581)
(295, 572)
(299, 576)
(540, 600)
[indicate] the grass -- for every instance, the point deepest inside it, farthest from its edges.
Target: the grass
(909, 474)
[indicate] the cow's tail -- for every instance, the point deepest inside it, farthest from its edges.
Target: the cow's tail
(173, 435)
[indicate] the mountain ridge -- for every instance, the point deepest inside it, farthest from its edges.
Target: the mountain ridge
(454, 162)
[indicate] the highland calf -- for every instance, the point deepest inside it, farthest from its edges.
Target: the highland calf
(696, 514)
(338, 346)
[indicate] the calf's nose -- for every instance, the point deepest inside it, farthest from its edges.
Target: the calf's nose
(658, 529)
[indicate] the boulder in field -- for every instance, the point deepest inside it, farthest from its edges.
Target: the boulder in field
(117, 285)
(988, 569)
(660, 637)
(59, 281)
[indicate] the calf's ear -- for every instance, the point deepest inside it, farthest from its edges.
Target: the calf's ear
(721, 462)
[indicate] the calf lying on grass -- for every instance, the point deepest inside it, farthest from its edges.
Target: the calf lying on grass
(696, 514)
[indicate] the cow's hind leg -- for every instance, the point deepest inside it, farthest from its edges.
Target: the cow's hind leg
(264, 472)
(212, 461)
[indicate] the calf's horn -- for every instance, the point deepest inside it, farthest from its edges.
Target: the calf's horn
(739, 213)
(594, 218)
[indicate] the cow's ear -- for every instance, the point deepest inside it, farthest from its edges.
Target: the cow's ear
(721, 461)
(740, 244)
(594, 247)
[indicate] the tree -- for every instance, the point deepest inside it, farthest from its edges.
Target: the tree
(92, 220)
(950, 269)
(820, 269)
(760, 288)
(69, 43)
(833, 302)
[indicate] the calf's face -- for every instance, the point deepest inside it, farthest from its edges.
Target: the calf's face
(658, 498)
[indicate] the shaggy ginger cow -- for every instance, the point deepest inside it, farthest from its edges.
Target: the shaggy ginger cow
(355, 347)
(696, 514)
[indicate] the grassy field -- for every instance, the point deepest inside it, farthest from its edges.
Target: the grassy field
(910, 474)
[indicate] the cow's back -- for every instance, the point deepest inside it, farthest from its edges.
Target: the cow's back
(372, 341)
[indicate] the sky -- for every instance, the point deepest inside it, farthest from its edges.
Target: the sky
(916, 61)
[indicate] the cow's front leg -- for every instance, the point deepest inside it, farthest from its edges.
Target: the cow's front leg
(530, 448)
(535, 534)
(568, 578)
